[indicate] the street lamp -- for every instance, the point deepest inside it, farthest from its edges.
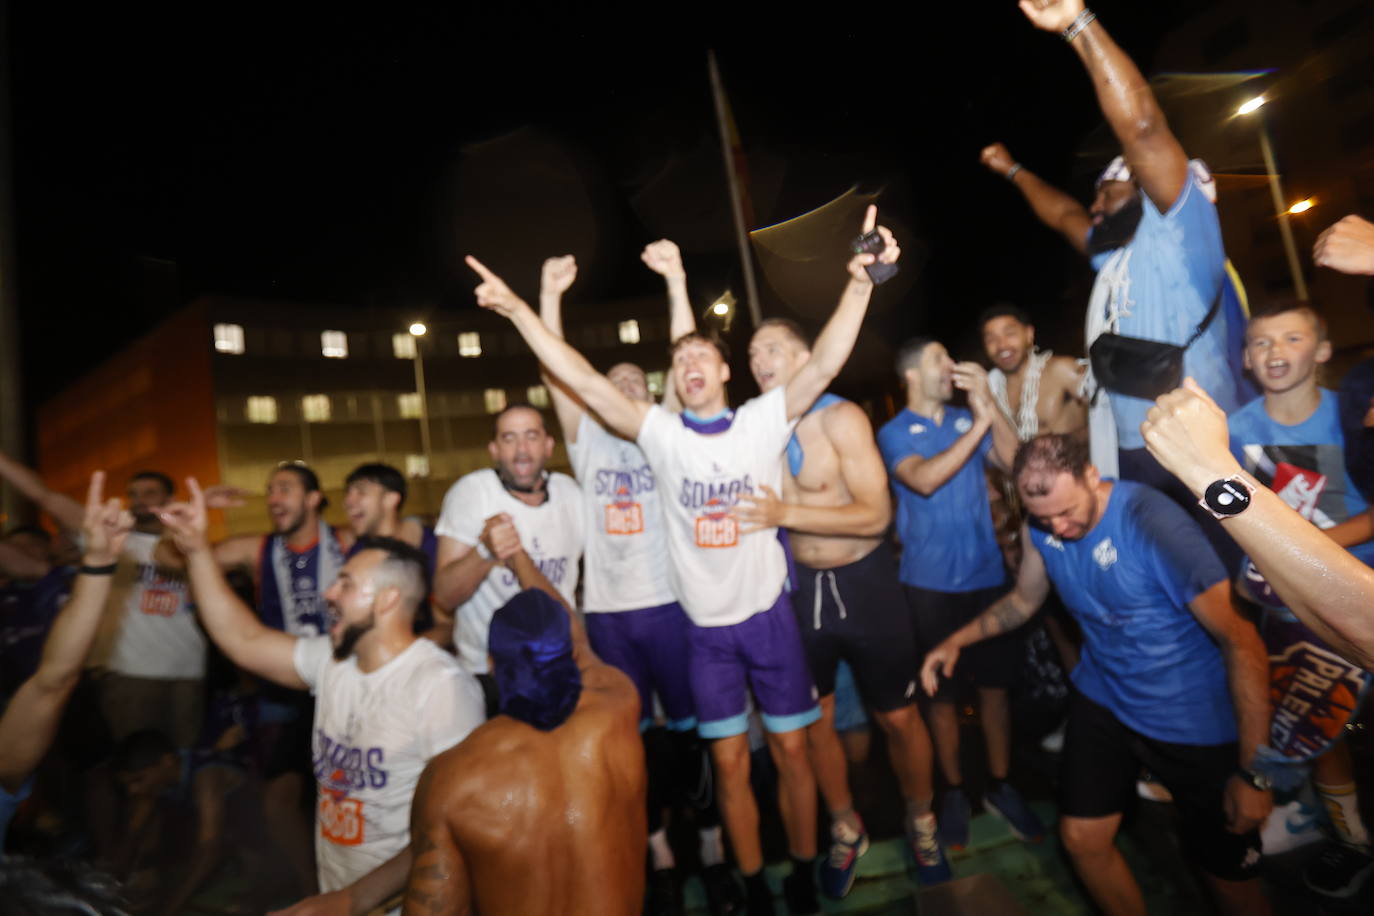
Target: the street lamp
(417, 330)
(1302, 206)
(1276, 190)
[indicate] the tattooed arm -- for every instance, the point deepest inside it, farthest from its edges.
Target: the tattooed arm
(439, 876)
(1006, 614)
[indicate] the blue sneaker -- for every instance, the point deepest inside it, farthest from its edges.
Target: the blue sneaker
(840, 865)
(923, 837)
(955, 811)
(1006, 803)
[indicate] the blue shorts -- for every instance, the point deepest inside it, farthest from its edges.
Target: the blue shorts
(762, 654)
(648, 646)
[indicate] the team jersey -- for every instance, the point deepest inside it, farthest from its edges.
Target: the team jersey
(373, 734)
(626, 558)
(1128, 582)
(720, 576)
(292, 583)
(948, 543)
(27, 612)
(551, 533)
(156, 634)
(1175, 270)
(1303, 463)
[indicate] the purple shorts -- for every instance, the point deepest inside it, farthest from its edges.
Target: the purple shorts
(762, 654)
(647, 645)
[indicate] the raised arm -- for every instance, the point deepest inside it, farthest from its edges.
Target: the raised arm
(861, 467)
(235, 629)
(619, 412)
(836, 340)
(1154, 154)
(1004, 615)
(30, 721)
(67, 512)
(973, 378)
(665, 259)
(1322, 583)
(557, 275)
(1247, 672)
(1050, 205)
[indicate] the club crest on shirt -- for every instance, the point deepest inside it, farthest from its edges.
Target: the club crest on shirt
(1052, 541)
(623, 514)
(963, 425)
(916, 429)
(1105, 553)
(716, 527)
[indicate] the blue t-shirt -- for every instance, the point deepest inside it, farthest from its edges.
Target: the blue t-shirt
(1177, 264)
(948, 544)
(1304, 463)
(1128, 582)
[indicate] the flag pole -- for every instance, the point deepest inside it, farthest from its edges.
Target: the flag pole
(730, 148)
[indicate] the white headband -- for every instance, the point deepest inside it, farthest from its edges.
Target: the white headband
(1118, 170)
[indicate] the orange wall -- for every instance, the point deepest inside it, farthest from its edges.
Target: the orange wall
(150, 406)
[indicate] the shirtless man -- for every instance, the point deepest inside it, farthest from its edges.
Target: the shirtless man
(542, 809)
(1038, 391)
(836, 508)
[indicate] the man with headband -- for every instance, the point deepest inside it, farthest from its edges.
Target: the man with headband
(1153, 238)
(542, 809)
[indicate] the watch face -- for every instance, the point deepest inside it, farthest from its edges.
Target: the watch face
(1227, 497)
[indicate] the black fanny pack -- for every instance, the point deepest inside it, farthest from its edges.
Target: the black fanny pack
(1142, 368)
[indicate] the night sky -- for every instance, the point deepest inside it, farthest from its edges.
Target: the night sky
(328, 158)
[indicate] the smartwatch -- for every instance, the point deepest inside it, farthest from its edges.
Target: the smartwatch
(1227, 497)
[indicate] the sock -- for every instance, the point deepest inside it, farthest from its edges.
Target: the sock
(915, 810)
(849, 818)
(712, 846)
(756, 886)
(800, 865)
(660, 851)
(954, 787)
(994, 783)
(1342, 806)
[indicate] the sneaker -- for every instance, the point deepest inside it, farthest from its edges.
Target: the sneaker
(955, 811)
(799, 892)
(723, 896)
(665, 893)
(1053, 743)
(924, 840)
(1340, 871)
(839, 867)
(1005, 802)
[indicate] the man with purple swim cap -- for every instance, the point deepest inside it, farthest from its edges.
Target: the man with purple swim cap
(532, 657)
(542, 809)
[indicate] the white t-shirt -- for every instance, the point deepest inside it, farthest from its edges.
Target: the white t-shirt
(627, 556)
(153, 628)
(373, 735)
(721, 577)
(551, 534)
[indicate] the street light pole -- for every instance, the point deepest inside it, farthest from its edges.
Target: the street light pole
(1271, 168)
(1285, 229)
(417, 330)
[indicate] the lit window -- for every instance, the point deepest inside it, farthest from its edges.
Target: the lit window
(417, 466)
(262, 409)
(409, 405)
(469, 344)
(495, 399)
(315, 408)
(403, 345)
(655, 381)
(537, 395)
(229, 338)
(334, 344)
(629, 331)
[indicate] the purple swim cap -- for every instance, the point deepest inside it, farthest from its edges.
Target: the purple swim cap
(530, 642)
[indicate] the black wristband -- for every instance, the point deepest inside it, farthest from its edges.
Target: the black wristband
(98, 570)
